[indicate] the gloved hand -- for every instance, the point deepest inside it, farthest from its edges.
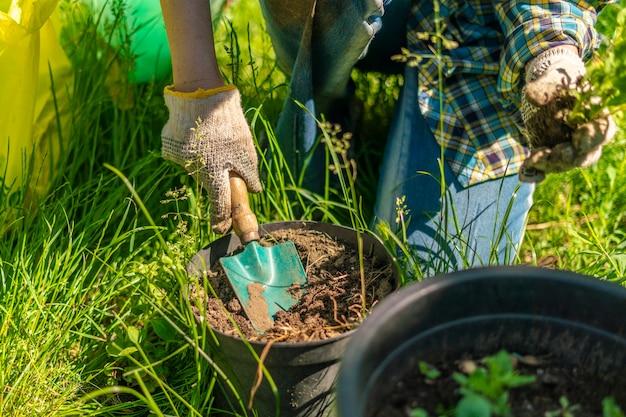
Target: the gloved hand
(557, 146)
(208, 134)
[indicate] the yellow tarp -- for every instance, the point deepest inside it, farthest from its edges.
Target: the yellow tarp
(35, 82)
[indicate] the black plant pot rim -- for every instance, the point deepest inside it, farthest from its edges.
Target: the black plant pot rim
(287, 345)
(389, 306)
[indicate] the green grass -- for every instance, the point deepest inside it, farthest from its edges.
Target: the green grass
(95, 321)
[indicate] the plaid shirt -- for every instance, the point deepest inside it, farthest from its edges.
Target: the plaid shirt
(477, 118)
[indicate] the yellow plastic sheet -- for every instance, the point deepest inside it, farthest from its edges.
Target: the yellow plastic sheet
(35, 82)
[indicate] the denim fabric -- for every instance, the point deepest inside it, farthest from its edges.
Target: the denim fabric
(317, 43)
(460, 230)
(336, 36)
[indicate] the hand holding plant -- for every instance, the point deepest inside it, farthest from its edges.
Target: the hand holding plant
(568, 108)
(557, 142)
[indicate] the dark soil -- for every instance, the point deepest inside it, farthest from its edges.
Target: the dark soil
(332, 305)
(549, 127)
(553, 380)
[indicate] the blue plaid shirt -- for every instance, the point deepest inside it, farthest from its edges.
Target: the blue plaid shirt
(476, 115)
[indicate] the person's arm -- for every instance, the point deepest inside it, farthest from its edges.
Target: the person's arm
(207, 132)
(190, 36)
(531, 27)
(543, 57)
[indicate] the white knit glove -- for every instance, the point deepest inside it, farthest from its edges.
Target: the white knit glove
(207, 133)
(555, 145)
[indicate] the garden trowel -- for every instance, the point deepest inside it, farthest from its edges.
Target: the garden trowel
(265, 279)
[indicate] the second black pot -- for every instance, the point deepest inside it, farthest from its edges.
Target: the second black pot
(577, 320)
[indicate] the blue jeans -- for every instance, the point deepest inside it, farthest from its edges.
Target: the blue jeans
(317, 43)
(478, 225)
(318, 48)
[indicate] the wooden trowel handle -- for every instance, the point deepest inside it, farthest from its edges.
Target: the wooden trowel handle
(244, 220)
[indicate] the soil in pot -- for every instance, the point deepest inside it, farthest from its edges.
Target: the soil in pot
(433, 388)
(334, 301)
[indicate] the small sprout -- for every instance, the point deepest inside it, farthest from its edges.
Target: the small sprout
(610, 408)
(473, 406)
(429, 371)
(417, 412)
(492, 382)
(566, 410)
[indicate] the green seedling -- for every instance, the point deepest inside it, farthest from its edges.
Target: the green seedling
(610, 408)
(473, 405)
(566, 410)
(418, 412)
(430, 372)
(490, 385)
(485, 390)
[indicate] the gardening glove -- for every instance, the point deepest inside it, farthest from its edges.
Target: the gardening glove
(555, 145)
(207, 133)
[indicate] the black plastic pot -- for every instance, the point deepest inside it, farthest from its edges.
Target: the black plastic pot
(304, 373)
(578, 320)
